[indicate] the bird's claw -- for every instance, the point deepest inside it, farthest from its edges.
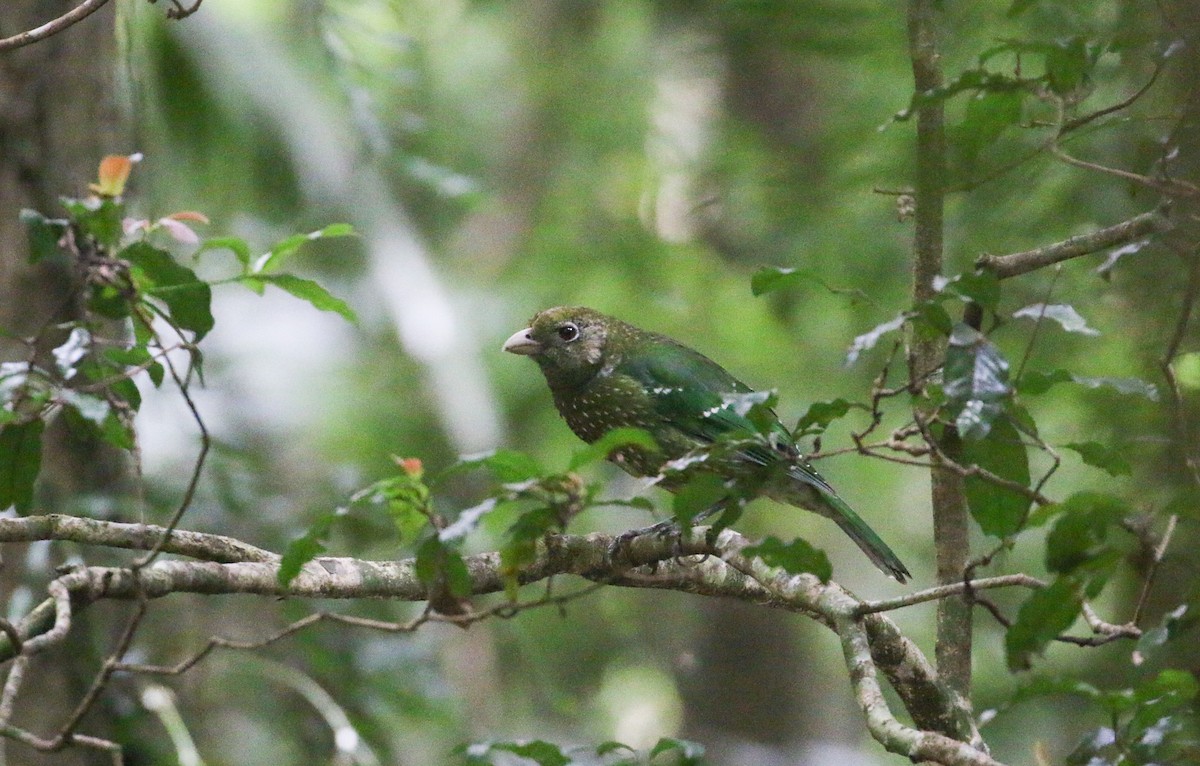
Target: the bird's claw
(619, 549)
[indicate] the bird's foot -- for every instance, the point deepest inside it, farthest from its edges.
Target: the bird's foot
(619, 550)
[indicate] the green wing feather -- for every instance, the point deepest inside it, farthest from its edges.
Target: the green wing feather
(688, 391)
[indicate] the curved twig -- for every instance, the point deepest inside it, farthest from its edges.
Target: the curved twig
(70, 18)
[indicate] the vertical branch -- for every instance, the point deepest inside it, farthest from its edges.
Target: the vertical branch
(926, 353)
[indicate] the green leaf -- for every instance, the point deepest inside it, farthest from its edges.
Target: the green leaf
(1045, 614)
(1108, 459)
(136, 356)
(1178, 687)
(1039, 382)
(298, 553)
(458, 577)
(284, 249)
(1066, 316)
(821, 414)
(975, 381)
(1173, 624)
(613, 440)
(868, 339)
(98, 217)
(998, 510)
(157, 274)
(539, 751)
(933, 319)
(43, 234)
(1046, 686)
(1018, 7)
(90, 408)
(236, 245)
(989, 113)
(699, 494)
(20, 462)
(509, 466)
(1069, 64)
(683, 752)
(429, 560)
(981, 287)
(771, 278)
(520, 548)
(976, 79)
(604, 748)
(796, 557)
(1079, 535)
(125, 390)
(304, 289)
(305, 548)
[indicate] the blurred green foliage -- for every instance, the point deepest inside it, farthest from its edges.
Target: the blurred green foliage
(729, 173)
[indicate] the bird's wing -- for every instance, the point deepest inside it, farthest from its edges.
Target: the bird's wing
(692, 393)
(698, 397)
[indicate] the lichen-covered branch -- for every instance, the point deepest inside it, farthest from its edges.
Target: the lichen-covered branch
(1016, 264)
(137, 537)
(944, 731)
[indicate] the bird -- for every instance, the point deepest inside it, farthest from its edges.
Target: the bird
(605, 373)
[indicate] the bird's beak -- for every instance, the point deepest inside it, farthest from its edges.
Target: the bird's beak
(521, 342)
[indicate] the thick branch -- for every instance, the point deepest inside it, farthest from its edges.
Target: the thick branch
(1015, 264)
(717, 569)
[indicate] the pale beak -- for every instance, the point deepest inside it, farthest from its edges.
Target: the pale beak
(521, 342)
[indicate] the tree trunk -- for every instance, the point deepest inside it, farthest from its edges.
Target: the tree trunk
(58, 116)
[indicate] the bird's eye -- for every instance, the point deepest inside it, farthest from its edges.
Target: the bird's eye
(568, 332)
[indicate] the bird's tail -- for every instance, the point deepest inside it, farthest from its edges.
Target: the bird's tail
(865, 538)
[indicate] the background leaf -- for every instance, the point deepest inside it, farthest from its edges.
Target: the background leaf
(304, 289)
(795, 557)
(975, 381)
(20, 463)
(1111, 460)
(188, 299)
(998, 510)
(1046, 613)
(1066, 317)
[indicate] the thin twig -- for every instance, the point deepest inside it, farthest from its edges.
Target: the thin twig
(1183, 426)
(1160, 551)
(503, 611)
(70, 18)
(945, 591)
(205, 443)
(67, 732)
(1079, 122)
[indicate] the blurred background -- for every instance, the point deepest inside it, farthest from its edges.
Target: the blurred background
(643, 157)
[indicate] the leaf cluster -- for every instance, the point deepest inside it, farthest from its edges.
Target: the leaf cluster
(142, 308)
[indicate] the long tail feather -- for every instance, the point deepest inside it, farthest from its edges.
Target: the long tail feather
(866, 538)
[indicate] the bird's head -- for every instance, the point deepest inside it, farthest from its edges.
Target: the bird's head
(567, 342)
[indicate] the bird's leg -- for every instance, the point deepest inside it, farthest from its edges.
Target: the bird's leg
(669, 528)
(674, 529)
